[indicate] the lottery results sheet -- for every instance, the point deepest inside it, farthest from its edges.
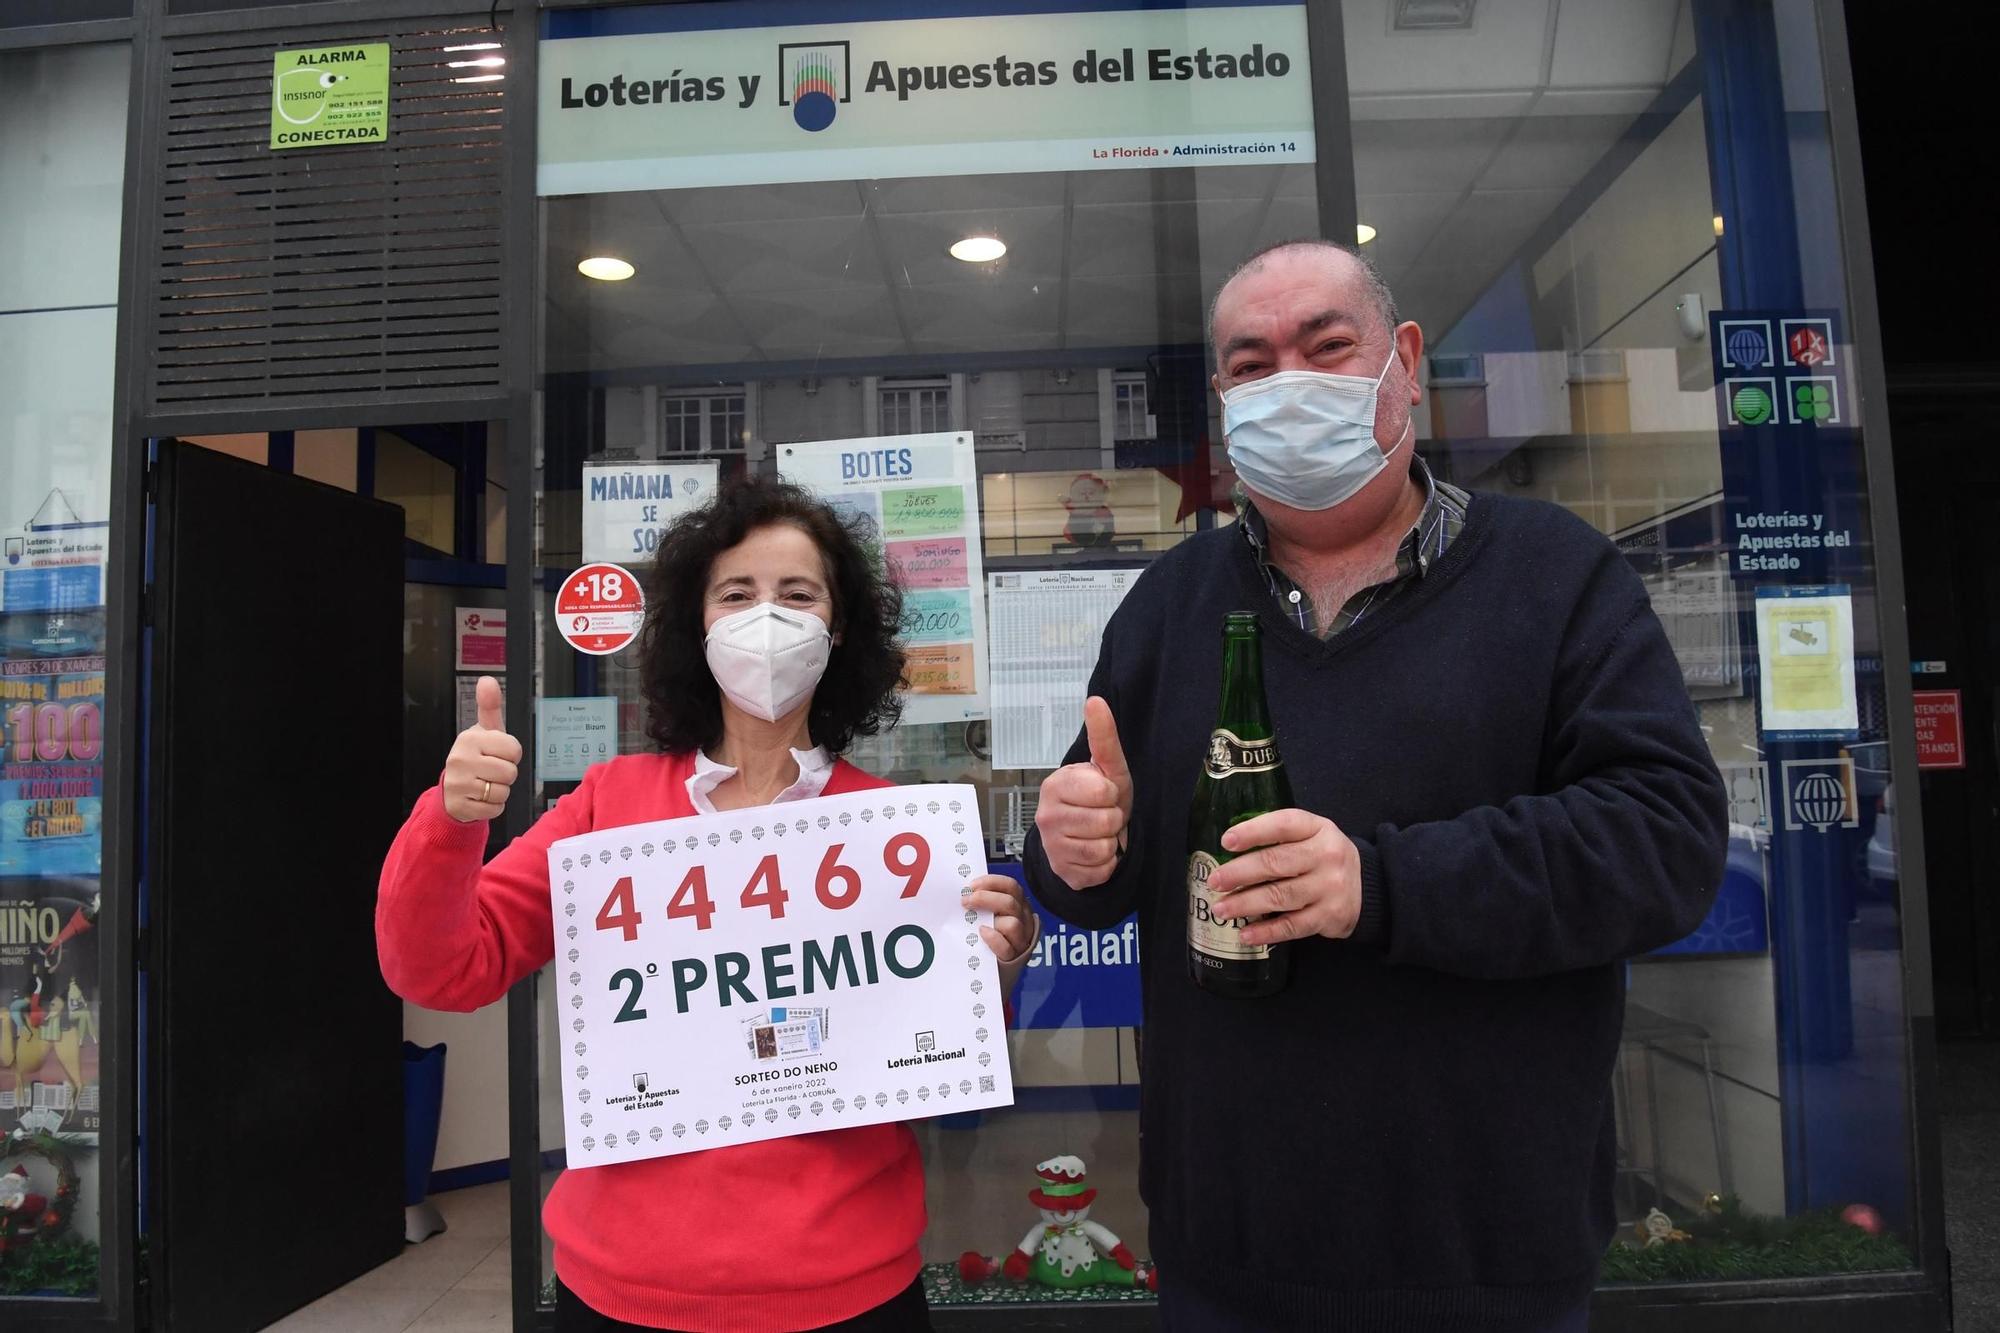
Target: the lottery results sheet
(761, 973)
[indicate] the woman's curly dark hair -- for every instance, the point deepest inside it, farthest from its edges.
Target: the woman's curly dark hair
(858, 695)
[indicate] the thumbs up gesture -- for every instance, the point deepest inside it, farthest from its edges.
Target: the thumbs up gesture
(483, 764)
(1085, 807)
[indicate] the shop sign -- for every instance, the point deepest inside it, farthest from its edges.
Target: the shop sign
(330, 95)
(651, 98)
(1940, 729)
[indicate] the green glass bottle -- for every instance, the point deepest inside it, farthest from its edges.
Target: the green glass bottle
(1242, 777)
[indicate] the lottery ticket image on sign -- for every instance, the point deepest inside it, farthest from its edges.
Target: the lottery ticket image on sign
(701, 964)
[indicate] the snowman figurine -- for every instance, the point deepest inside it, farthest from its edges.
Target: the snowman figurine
(1066, 1249)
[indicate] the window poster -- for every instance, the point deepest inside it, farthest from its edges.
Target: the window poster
(1805, 645)
(919, 494)
(54, 533)
(1047, 626)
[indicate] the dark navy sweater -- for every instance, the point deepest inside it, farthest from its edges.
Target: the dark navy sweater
(1417, 1133)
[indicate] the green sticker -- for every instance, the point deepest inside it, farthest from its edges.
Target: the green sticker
(924, 511)
(1812, 402)
(1752, 405)
(330, 95)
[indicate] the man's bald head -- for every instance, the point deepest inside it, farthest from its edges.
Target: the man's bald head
(1332, 253)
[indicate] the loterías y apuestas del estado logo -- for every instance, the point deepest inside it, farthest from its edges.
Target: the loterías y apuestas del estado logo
(815, 79)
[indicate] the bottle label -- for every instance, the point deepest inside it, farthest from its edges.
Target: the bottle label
(1209, 933)
(1229, 753)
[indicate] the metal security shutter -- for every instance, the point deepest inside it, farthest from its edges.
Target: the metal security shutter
(327, 277)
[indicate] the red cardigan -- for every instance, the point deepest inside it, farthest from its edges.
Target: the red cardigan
(753, 1238)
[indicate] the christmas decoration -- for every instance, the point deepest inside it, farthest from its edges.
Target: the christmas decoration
(1656, 1228)
(1861, 1215)
(1091, 522)
(29, 1218)
(22, 1212)
(1066, 1250)
(1727, 1242)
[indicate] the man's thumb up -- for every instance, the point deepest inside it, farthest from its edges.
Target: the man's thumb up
(1106, 754)
(1085, 807)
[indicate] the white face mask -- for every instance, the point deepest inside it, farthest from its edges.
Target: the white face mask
(1305, 438)
(768, 661)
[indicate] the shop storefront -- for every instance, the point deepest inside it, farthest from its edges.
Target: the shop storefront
(949, 265)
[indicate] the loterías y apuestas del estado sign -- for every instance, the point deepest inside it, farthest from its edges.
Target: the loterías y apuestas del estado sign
(636, 99)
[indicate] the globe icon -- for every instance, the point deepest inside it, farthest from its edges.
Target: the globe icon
(1820, 800)
(1748, 347)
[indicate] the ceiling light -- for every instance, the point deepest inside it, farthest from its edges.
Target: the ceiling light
(480, 78)
(979, 249)
(606, 269)
(486, 62)
(1363, 233)
(478, 46)
(1718, 224)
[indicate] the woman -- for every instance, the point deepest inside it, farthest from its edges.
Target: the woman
(769, 644)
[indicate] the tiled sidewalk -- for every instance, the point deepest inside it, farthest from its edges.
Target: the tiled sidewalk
(451, 1282)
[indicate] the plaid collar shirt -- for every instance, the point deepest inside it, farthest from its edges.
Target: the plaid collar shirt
(1439, 524)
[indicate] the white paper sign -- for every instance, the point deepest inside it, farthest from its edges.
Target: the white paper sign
(781, 970)
(573, 734)
(1805, 650)
(628, 506)
(921, 493)
(1047, 626)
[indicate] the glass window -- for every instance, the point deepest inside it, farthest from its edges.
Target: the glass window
(1131, 420)
(1612, 327)
(915, 407)
(62, 154)
(702, 424)
(1608, 326)
(817, 304)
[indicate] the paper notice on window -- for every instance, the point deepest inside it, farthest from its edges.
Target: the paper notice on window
(918, 496)
(1805, 647)
(1046, 628)
(628, 507)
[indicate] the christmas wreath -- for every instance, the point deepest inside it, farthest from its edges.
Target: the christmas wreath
(34, 1218)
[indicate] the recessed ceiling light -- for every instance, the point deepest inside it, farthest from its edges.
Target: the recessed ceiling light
(606, 269)
(1363, 233)
(979, 249)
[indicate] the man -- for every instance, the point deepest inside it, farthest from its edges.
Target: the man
(1502, 793)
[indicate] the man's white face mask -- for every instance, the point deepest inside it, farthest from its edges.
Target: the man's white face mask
(1306, 438)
